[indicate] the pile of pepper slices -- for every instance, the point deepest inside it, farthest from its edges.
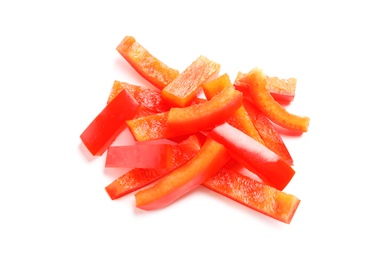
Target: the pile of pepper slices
(213, 129)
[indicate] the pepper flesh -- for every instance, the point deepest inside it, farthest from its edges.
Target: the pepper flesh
(184, 88)
(147, 65)
(254, 194)
(107, 125)
(282, 90)
(271, 108)
(211, 157)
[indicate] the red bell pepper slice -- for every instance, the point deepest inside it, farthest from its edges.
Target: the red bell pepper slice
(184, 88)
(140, 177)
(149, 99)
(206, 115)
(139, 155)
(268, 132)
(254, 194)
(256, 157)
(240, 119)
(282, 90)
(271, 108)
(146, 64)
(106, 126)
(211, 157)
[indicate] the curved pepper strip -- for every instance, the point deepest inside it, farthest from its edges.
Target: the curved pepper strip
(206, 115)
(107, 125)
(271, 108)
(256, 157)
(240, 119)
(147, 65)
(282, 90)
(211, 157)
(254, 194)
(138, 178)
(184, 88)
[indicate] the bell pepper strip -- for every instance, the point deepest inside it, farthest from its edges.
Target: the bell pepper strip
(256, 157)
(240, 119)
(271, 108)
(107, 125)
(205, 115)
(147, 65)
(268, 132)
(138, 155)
(138, 178)
(282, 90)
(181, 91)
(254, 194)
(149, 99)
(151, 127)
(211, 157)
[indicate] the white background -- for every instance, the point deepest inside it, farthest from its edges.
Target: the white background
(57, 65)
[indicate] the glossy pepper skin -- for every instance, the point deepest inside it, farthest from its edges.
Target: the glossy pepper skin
(138, 155)
(211, 157)
(106, 126)
(147, 65)
(256, 157)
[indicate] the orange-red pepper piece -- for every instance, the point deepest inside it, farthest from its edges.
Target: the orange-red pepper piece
(140, 177)
(271, 108)
(211, 157)
(240, 119)
(254, 194)
(282, 90)
(150, 127)
(147, 65)
(149, 99)
(107, 125)
(184, 88)
(206, 115)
